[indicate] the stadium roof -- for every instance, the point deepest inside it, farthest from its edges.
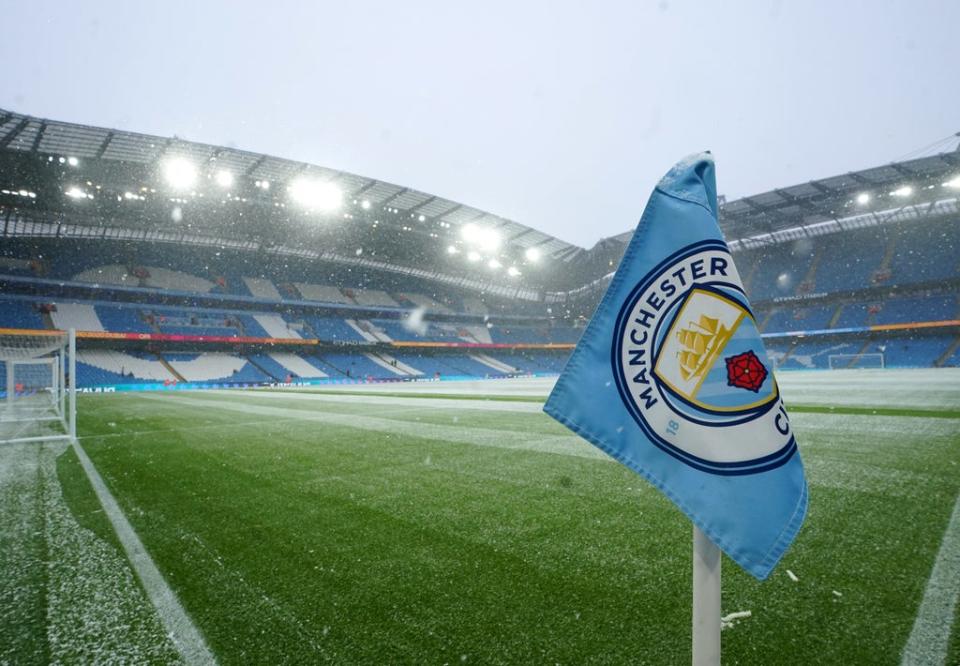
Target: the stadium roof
(394, 226)
(27, 134)
(890, 193)
(841, 198)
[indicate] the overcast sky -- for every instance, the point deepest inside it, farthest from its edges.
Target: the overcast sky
(559, 115)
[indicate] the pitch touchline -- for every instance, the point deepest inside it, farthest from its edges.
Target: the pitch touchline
(929, 639)
(180, 628)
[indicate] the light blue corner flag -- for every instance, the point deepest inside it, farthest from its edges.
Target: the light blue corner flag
(672, 380)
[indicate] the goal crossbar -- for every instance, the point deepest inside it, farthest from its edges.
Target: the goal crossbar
(38, 370)
(866, 360)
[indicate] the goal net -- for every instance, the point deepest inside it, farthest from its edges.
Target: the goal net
(37, 398)
(872, 360)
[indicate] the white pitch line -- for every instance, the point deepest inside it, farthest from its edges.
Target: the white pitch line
(180, 628)
(930, 637)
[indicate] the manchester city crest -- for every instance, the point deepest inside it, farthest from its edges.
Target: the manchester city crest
(687, 357)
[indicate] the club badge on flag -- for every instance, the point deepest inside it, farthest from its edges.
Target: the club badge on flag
(671, 379)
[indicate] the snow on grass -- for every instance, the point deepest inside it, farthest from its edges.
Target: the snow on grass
(66, 594)
(935, 388)
(299, 527)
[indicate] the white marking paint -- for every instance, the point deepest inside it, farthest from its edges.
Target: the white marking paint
(930, 637)
(180, 628)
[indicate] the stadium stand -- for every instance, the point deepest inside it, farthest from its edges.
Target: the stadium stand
(117, 275)
(215, 367)
(123, 319)
(370, 297)
(19, 314)
(334, 330)
(271, 326)
(283, 365)
(426, 302)
(108, 367)
(826, 276)
(355, 366)
(321, 293)
(81, 316)
(262, 288)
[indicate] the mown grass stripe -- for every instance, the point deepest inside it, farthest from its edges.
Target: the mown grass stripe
(808, 409)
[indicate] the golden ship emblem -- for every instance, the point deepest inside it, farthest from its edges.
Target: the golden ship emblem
(702, 342)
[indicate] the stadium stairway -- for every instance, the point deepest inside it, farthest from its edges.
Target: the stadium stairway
(368, 330)
(494, 364)
(271, 370)
(836, 316)
(356, 366)
(275, 326)
(766, 320)
(394, 365)
(810, 278)
(327, 367)
(786, 354)
(863, 350)
(749, 278)
(952, 348)
(280, 365)
(170, 368)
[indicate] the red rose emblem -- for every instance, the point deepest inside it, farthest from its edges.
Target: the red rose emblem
(745, 371)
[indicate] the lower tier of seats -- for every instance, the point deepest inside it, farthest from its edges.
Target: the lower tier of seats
(114, 367)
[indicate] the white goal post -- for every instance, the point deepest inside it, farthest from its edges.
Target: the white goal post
(38, 396)
(872, 360)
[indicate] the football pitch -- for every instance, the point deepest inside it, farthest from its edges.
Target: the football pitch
(453, 522)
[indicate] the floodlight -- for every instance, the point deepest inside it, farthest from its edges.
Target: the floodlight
(452, 249)
(513, 271)
(76, 193)
(422, 218)
(73, 161)
(489, 239)
(473, 255)
(863, 198)
(494, 264)
(179, 173)
(532, 254)
(904, 191)
(224, 178)
(470, 233)
(953, 182)
(365, 205)
(318, 194)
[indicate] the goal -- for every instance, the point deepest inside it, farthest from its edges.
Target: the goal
(38, 396)
(872, 360)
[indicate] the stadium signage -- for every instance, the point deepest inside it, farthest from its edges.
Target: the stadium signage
(800, 297)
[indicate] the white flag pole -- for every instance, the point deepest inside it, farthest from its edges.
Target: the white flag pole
(706, 600)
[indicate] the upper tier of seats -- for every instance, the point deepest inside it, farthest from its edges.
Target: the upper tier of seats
(852, 260)
(796, 316)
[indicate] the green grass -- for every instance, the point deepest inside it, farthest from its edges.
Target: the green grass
(793, 407)
(303, 528)
(23, 584)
